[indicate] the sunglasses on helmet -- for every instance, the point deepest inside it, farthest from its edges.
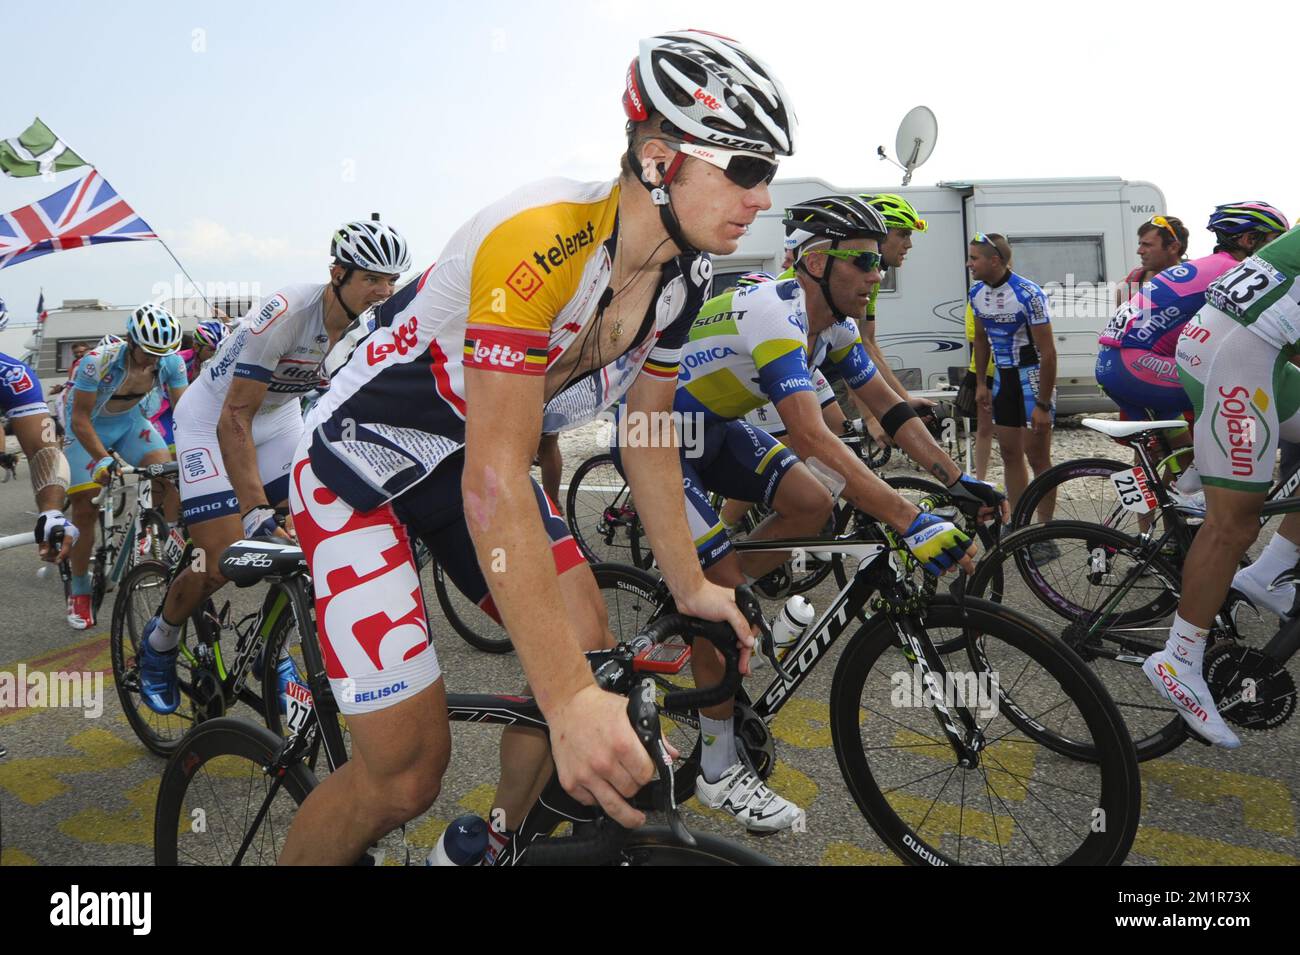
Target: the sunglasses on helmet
(745, 169)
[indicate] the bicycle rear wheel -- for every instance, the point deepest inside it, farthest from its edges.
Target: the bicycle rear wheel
(1055, 780)
(1084, 492)
(602, 517)
(474, 625)
(212, 790)
(1065, 589)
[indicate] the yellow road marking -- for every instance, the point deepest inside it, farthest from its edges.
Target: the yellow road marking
(1175, 848)
(1265, 803)
(36, 780)
(843, 853)
(132, 825)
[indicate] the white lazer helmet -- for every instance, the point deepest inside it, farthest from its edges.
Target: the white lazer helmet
(713, 90)
(154, 329)
(371, 246)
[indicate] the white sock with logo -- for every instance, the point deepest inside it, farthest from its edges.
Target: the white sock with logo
(718, 754)
(1187, 643)
(165, 636)
(1176, 672)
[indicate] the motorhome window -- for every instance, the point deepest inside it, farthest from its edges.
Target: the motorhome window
(889, 282)
(1054, 258)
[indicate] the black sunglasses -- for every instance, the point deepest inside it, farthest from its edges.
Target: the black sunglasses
(746, 170)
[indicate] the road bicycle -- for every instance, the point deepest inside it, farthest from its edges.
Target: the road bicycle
(965, 732)
(247, 782)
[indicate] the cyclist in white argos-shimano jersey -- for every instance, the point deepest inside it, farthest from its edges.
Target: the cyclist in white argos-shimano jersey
(238, 424)
(1234, 359)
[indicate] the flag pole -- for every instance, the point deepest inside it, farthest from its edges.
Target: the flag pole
(197, 288)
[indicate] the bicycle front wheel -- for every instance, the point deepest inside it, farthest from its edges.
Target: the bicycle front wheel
(1054, 779)
(212, 791)
(475, 626)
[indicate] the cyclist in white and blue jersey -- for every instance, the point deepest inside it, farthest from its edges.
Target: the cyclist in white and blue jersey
(1013, 322)
(107, 410)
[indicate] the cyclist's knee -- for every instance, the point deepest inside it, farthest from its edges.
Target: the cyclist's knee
(413, 791)
(807, 500)
(1040, 459)
(1230, 533)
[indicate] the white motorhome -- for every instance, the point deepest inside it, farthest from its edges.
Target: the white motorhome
(1074, 237)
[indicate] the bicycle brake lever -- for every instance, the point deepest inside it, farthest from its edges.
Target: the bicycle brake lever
(753, 612)
(644, 714)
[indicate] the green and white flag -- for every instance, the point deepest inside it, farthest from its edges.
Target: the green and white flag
(35, 152)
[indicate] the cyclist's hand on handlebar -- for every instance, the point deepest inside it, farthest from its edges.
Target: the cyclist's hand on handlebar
(104, 468)
(45, 526)
(924, 407)
(939, 545)
(260, 522)
(980, 498)
(877, 433)
(598, 757)
(711, 602)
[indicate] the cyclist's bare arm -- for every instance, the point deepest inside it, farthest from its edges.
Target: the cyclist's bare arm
(235, 435)
(654, 472)
(913, 437)
(1046, 345)
(83, 403)
(807, 435)
(597, 755)
(982, 348)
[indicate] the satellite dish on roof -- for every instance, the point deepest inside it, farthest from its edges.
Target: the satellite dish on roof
(917, 134)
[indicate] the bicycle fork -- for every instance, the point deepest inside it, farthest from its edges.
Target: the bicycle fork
(928, 667)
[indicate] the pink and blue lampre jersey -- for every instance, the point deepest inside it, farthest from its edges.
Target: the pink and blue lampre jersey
(1154, 317)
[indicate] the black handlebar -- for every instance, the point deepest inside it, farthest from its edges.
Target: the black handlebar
(608, 837)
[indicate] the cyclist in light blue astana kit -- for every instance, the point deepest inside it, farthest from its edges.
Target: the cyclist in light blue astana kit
(107, 410)
(238, 426)
(1234, 360)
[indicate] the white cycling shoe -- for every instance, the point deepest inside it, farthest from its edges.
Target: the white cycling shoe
(1268, 594)
(1180, 682)
(742, 794)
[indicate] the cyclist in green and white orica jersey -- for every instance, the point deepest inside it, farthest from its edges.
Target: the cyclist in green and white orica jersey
(756, 345)
(1234, 361)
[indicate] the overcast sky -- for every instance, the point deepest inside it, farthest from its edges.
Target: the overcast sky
(244, 133)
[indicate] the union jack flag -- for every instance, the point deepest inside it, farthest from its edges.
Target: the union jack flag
(88, 212)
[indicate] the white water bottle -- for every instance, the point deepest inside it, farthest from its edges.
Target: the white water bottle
(464, 842)
(790, 624)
